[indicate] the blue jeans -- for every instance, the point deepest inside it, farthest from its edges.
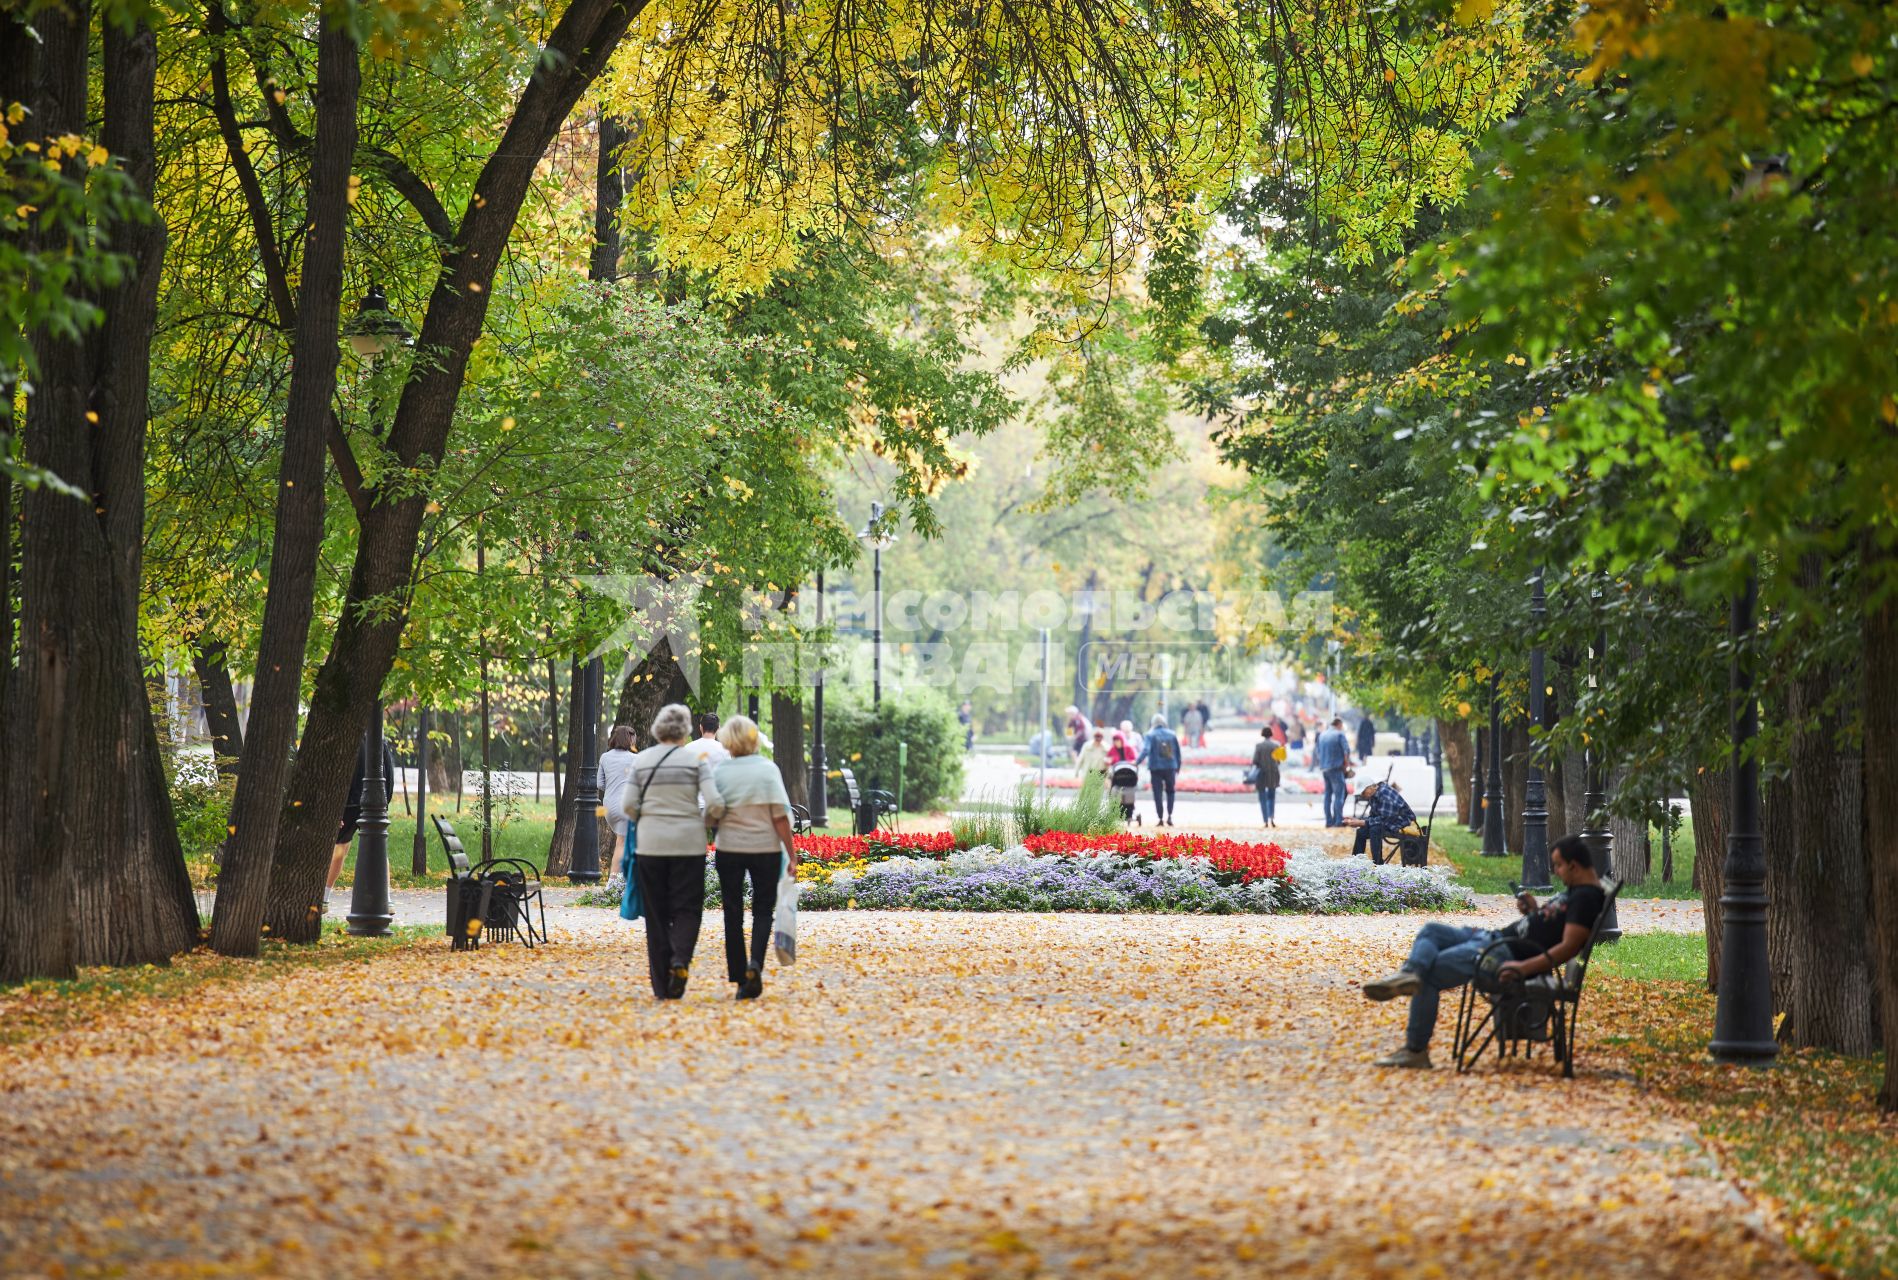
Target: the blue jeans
(1444, 956)
(1335, 792)
(1162, 781)
(1268, 803)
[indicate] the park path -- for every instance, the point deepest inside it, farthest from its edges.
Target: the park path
(923, 1094)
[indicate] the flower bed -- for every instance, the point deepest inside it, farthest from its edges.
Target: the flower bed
(1247, 861)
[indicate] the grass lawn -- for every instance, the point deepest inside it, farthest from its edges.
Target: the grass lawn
(1492, 875)
(30, 1010)
(1804, 1135)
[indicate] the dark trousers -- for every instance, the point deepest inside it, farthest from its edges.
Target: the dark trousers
(1163, 780)
(1374, 837)
(674, 894)
(764, 869)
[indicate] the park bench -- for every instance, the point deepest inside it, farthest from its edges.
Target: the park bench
(1517, 1016)
(867, 807)
(500, 897)
(800, 820)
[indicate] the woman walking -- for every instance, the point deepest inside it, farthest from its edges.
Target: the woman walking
(754, 836)
(663, 793)
(616, 764)
(1265, 775)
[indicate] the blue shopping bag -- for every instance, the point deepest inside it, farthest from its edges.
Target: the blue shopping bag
(631, 906)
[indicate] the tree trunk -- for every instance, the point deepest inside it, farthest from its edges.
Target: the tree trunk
(438, 781)
(1515, 779)
(656, 681)
(1458, 752)
(1710, 793)
(1879, 805)
(787, 741)
(1631, 835)
(90, 868)
(220, 704)
(366, 639)
(244, 880)
(560, 846)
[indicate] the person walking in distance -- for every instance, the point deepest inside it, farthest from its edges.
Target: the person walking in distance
(1265, 776)
(1367, 737)
(1160, 752)
(616, 763)
(1332, 756)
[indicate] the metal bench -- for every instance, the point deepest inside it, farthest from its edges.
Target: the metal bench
(1520, 1015)
(500, 897)
(868, 807)
(800, 820)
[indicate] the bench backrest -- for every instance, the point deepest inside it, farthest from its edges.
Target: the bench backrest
(850, 787)
(1577, 970)
(451, 845)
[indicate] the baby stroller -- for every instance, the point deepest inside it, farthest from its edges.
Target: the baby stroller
(1124, 780)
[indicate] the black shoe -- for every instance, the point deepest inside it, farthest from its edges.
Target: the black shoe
(751, 988)
(676, 987)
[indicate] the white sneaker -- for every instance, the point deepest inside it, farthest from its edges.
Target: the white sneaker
(1410, 1059)
(1401, 983)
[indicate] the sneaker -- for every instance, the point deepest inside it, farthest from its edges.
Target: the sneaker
(1401, 983)
(1411, 1059)
(751, 988)
(676, 988)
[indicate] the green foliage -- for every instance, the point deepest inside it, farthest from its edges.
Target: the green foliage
(1653, 957)
(865, 739)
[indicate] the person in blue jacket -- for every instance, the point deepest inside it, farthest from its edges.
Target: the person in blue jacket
(1160, 752)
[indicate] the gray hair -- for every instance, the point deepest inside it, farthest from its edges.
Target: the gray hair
(672, 724)
(1159, 720)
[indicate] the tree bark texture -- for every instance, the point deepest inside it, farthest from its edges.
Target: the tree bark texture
(90, 869)
(560, 844)
(256, 810)
(220, 704)
(367, 637)
(1458, 753)
(654, 682)
(788, 746)
(1879, 805)
(1710, 793)
(1630, 833)
(1515, 779)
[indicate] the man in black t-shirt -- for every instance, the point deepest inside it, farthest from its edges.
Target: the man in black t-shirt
(1444, 955)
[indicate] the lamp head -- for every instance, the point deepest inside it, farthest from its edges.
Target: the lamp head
(375, 330)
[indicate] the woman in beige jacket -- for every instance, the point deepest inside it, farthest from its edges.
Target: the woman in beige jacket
(670, 795)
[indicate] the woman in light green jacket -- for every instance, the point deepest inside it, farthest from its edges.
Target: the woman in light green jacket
(754, 836)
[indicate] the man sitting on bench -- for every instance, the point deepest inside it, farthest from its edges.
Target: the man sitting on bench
(1385, 817)
(1444, 955)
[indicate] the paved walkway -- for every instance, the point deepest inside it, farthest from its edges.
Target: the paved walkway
(923, 1094)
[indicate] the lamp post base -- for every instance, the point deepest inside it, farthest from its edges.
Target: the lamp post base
(370, 926)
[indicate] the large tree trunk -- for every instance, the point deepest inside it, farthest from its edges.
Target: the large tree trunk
(90, 868)
(1631, 835)
(366, 638)
(1458, 760)
(220, 704)
(787, 743)
(1515, 779)
(560, 846)
(655, 682)
(1879, 804)
(1710, 793)
(288, 607)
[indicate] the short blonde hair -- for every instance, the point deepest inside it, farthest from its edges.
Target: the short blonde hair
(672, 724)
(739, 735)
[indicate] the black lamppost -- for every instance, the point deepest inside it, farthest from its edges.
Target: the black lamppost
(418, 856)
(584, 866)
(1599, 837)
(1495, 843)
(373, 331)
(879, 539)
(1535, 800)
(1743, 1008)
(820, 768)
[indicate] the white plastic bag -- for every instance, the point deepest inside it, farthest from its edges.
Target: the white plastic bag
(784, 918)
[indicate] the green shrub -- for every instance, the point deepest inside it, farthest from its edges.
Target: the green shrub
(200, 804)
(866, 741)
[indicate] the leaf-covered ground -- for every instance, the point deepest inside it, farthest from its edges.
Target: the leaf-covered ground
(924, 1094)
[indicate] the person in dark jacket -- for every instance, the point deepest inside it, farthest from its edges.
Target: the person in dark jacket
(1265, 776)
(1367, 738)
(352, 811)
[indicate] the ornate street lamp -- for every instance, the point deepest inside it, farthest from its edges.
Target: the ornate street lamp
(418, 853)
(372, 332)
(1495, 843)
(877, 536)
(1535, 800)
(820, 769)
(1599, 837)
(584, 866)
(1743, 1008)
